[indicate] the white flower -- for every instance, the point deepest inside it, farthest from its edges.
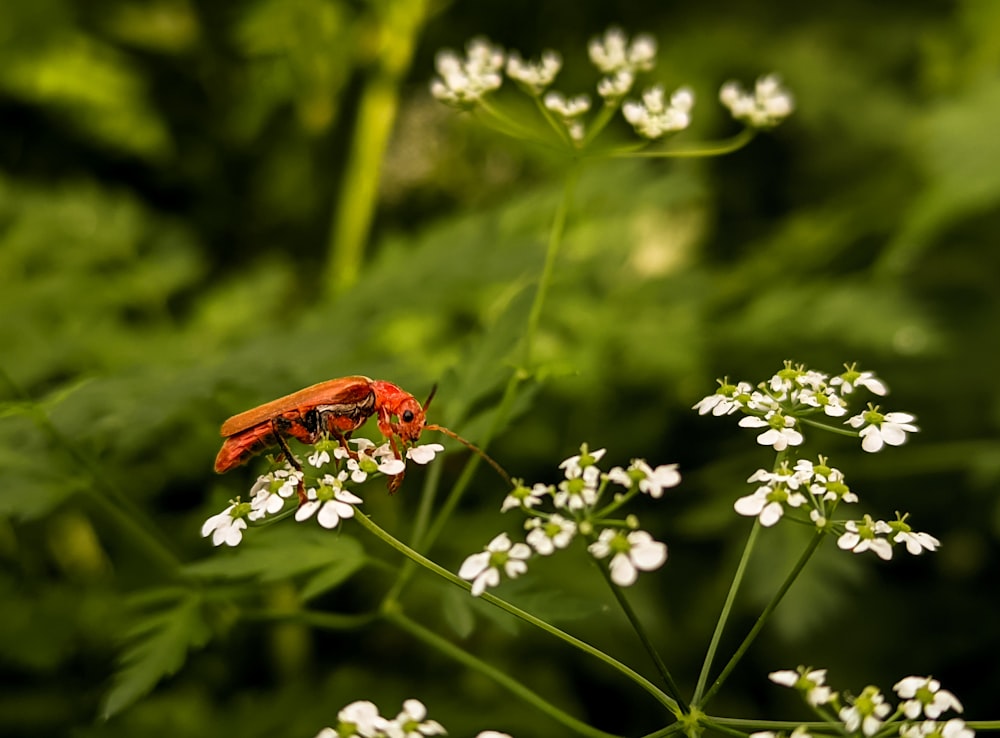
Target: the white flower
(616, 85)
(853, 378)
(545, 536)
(924, 695)
(318, 458)
(492, 734)
(534, 75)
(810, 682)
(228, 526)
(767, 503)
(360, 719)
(766, 106)
(463, 82)
(658, 479)
(521, 496)
(564, 107)
(653, 118)
(382, 458)
(576, 493)
(331, 500)
(827, 399)
(780, 433)
(867, 712)
(630, 553)
(483, 569)
(727, 400)
(613, 52)
(424, 454)
(411, 722)
(879, 428)
(954, 728)
(867, 536)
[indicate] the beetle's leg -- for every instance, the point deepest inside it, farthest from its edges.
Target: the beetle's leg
(279, 427)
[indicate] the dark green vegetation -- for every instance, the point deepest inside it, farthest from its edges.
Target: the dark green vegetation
(176, 183)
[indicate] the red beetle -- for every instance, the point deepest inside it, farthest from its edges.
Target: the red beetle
(336, 407)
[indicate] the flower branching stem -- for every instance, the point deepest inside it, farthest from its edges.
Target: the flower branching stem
(658, 694)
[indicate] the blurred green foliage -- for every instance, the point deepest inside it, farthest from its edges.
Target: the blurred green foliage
(168, 179)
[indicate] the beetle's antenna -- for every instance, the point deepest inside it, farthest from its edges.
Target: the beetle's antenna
(452, 434)
(430, 397)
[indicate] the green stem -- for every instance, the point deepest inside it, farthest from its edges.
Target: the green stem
(850, 432)
(556, 233)
(640, 630)
(527, 617)
(396, 31)
(725, 146)
(510, 684)
(792, 576)
(724, 615)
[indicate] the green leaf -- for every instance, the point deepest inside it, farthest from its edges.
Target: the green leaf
(158, 646)
(282, 552)
(457, 612)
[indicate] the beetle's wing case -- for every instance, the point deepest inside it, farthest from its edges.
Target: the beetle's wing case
(344, 391)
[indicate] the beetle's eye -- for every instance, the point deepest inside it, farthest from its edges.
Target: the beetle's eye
(407, 416)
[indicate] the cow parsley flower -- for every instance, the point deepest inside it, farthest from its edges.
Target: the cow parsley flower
(613, 52)
(412, 722)
(534, 76)
(867, 535)
(781, 431)
(654, 117)
(868, 710)
(811, 682)
(924, 696)
(545, 536)
(630, 553)
(767, 503)
(878, 429)
(765, 107)
(483, 569)
(954, 728)
(329, 501)
(463, 82)
(228, 526)
(425, 453)
(727, 399)
(852, 378)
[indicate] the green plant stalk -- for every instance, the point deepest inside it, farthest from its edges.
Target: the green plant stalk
(517, 612)
(696, 700)
(724, 615)
(762, 619)
(510, 684)
(556, 232)
(396, 29)
(640, 630)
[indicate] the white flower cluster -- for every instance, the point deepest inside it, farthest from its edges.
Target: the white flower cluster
(777, 405)
(765, 107)
(463, 83)
(578, 510)
(361, 719)
(653, 117)
(868, 713)
(320, 488)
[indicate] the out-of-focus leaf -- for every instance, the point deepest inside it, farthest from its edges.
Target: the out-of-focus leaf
(93, 87)
(158, 645)
(282, 552)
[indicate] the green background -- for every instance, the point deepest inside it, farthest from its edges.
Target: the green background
(176, 179)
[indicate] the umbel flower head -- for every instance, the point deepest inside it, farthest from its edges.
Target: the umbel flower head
(465, 81)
